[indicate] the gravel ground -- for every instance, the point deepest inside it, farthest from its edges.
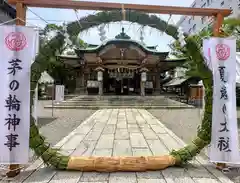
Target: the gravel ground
(184, 123)
(57, 126)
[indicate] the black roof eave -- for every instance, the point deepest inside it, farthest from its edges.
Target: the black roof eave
(99, 48)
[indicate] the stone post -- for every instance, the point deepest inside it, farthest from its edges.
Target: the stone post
(100, 80)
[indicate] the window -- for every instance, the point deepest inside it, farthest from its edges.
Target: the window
(222, 3)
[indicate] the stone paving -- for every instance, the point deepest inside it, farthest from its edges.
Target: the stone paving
(122, 132)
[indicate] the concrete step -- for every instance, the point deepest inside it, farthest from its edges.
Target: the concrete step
(96, 102)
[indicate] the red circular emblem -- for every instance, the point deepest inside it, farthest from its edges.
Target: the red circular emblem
(16, 41)
(222, 51)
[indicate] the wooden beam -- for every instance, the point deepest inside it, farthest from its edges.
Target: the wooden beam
(21, 14)
(86, 5)
(217, 26)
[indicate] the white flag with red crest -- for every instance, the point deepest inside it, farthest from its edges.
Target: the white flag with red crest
(224, 137)
(17, 49)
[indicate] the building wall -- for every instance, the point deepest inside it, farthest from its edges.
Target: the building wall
(6, 13)
(4, 17)
(194, 24)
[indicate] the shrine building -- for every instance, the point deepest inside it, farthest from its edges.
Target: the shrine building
(119, 66)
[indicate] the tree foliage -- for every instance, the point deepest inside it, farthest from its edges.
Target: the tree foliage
(231, 27)
(107, 17)
(56, 68)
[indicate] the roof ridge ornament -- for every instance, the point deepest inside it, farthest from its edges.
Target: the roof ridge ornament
(122, 35)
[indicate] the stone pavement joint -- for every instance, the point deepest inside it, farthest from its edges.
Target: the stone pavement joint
(123, 132)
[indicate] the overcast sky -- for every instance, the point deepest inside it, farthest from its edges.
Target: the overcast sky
(152, 37)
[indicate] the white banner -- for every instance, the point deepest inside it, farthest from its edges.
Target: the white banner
(238, 68)
(59, 93)
(16, 50)
(36, 46)
(35, 100)
(206, 52)
(224, 142)
(35, 105)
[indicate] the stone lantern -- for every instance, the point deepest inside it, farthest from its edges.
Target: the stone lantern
(100, 79)
(143, 72)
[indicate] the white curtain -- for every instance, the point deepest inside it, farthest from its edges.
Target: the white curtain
(238, 69)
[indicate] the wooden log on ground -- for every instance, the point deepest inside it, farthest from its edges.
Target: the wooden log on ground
(114, 164)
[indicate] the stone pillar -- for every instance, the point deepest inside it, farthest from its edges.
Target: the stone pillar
(83, 87)
(78, 82)
(100, 80)
(142, 87)
(157, 80)
(143, 81)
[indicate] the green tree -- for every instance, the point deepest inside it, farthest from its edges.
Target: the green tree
(55, 67)
(231, 27)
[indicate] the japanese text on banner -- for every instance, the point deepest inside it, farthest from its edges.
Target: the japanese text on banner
(224, 141)
(17, 52)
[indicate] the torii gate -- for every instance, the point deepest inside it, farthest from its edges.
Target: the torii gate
(21, 5)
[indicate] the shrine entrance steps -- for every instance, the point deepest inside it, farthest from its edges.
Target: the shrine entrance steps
(99, 102)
